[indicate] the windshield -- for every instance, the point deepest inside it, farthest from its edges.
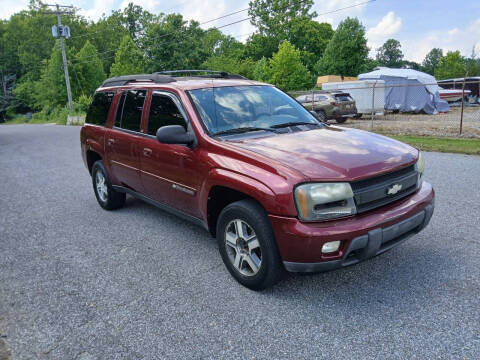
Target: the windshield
(225, 109)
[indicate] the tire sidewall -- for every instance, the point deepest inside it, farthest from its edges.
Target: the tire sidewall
(258, 221)
(99, 166)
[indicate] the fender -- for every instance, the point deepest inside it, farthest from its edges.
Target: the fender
(247, 185)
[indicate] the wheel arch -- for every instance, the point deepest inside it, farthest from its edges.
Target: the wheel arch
(225, 187)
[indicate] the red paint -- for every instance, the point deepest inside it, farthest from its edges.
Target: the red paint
(266, 169)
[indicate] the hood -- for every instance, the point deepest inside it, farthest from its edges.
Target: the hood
(333, 154)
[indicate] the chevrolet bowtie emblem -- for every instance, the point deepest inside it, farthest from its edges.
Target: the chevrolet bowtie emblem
(394, 189)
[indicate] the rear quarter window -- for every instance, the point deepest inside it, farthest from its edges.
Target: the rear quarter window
(97, 113)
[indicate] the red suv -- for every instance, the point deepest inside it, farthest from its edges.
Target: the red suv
(277, 188)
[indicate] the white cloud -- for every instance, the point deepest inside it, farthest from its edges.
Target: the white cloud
(389, 26)
(99, 8)
(334, 11)
(10, 7)
(463, 39)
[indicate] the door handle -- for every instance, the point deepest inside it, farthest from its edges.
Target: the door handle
(147, 151)
(111, 142)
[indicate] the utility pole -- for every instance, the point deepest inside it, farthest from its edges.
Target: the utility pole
(62, 34)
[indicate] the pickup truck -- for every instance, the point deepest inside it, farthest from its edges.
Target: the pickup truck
(280, 190)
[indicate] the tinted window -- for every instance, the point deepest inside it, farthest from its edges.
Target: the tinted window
(163, 111)
(98, 111)
(118, 116)
(343, 97)
(320, 98)
(131, 114)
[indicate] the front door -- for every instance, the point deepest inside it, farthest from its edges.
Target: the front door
(170, 173)
(123, 140)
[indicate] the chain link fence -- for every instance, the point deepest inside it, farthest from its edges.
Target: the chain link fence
(452, 110)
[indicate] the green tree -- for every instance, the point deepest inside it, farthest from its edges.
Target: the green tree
(260, 46)
(50, 90)
(287, 71)
(173, 43)
(309, 35)
(231, 65)
(262, 72)
(473, 64)
(87, 71)
(274, 17)
(390, 54)
(128, 59)
(431, 60)
(451, 65)
(347, 53)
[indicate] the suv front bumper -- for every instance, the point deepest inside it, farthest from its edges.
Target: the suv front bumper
(362, 236)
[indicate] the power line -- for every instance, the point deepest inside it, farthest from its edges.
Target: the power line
(218, 27)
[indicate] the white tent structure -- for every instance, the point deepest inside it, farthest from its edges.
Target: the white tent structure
(409, 90)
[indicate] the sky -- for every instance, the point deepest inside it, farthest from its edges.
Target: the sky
(419, 25)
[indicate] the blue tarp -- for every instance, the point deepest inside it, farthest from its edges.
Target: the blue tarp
(408, 90)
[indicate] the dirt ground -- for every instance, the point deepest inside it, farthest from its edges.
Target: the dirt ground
(447, 124)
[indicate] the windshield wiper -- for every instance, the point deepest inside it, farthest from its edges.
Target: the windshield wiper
(293, 123)
(243, 130)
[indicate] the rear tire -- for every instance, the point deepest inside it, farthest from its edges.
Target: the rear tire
(107, 197)
(341, 120)
(247, 245)
(322, 116)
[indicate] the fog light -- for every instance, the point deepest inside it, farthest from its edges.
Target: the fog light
(330, 247)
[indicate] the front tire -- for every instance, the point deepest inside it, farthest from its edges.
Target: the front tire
(247, 245)
(107, 197)
(341, 120)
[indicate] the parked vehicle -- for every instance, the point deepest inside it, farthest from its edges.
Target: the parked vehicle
(277, 188)
(336, 105)
(452, 95)
(369, 95)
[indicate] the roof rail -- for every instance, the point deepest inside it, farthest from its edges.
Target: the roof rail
(125, 79)
(202, 73)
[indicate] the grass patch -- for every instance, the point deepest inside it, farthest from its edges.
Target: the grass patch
(53, 116)
(440, 144)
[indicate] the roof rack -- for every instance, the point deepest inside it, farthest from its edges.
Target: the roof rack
(202, 73)
(125, 79)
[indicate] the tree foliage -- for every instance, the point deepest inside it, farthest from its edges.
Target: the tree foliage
(276, 17)
(430, 63)
(286, 69)
(88, 71)
(174, 43)
(128, 59)
(450, 66)
(347, 53)
(288, 49)
(390, 54)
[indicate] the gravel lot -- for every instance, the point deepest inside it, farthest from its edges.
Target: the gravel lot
(77, 282)
(447, 124)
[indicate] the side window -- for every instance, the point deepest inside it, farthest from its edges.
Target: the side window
(163, 111)
(118, 116)
(98, 111)
(131, 111)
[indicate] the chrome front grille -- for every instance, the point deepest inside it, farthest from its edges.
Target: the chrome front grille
(381, 190)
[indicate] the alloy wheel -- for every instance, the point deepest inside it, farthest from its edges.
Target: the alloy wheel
(243, 247)
(101, 186)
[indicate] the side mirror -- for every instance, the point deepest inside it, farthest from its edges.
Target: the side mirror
(175, 134)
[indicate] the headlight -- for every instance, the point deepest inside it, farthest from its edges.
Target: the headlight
(323, 201)
(420, 168)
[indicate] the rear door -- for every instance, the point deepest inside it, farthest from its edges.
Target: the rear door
(122, 141)
(170, 173)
